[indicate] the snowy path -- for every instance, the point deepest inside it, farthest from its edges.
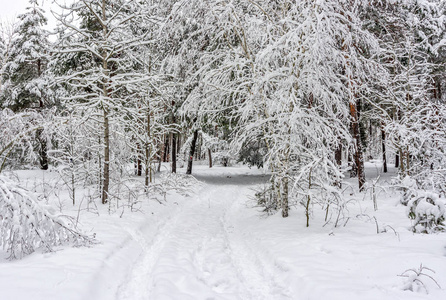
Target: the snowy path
(199, 252)
(215, 245)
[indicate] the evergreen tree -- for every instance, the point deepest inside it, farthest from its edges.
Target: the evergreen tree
(25, 84)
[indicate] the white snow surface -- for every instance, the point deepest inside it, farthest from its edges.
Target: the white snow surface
(216, 245)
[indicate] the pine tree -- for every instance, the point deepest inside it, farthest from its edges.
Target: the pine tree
(26, 85)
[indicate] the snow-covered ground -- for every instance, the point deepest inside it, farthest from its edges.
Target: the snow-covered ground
(216, 245)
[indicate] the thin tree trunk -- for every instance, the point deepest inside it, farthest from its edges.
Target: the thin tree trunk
(174, 153)
(338, 155)
(106, 172)
(148, 159)
(359, 160)
(210, 157)
(407, 161)
(138, 161)
(383, 139)
(147, 171)
(159, 162)
(105, 91)
(178, 142)
(284, 201)
(43, 151)
(401, 156)
(191, 153)
(307, 205)
(338, 159)
(166, 150)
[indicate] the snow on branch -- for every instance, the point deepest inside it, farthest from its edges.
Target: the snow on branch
(26, 225)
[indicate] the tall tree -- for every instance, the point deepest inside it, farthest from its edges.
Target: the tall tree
(102, 32)
(25, 83)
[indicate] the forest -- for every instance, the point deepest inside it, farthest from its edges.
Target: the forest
(126, 97)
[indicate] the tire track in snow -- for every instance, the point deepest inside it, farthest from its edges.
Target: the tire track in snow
(137, 284)
(194, 255)
(258, 273)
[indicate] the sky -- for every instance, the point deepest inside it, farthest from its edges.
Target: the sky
(10, 9)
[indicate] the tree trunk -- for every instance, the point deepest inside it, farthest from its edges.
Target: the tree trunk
(43, 152)
(397, 160)
(338, 159)
(210, 157)
(191, 153)
(166, 149)
(401, 156)
(174, 153)
(106, 173)
(105, 91)
(359, 160)
(138, 161)
(383, 139)
(148, 158)
(147, 171)
(307, 205)
(284, 201)
(338, 155)
(407, 161)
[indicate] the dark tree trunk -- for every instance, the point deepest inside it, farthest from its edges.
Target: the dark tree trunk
(138, 161)
(383, 138)
(190, 159)
(338, 155)
(338, 159)
(174, 153)
(43, 153)
(397, 160)
(210, 157)
(166, 149)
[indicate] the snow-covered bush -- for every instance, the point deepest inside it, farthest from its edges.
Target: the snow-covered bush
(180, 183)
(266, 198)
(409, 187)
(17, 131)
(427, 212)
(26, 225)
(417, 280)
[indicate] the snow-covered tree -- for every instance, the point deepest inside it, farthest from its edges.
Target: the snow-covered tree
(18, 131)
(101, 35)
(25, 84)
(291, 75)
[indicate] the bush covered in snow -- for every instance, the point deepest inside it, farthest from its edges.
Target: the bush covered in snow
(409, 187)
(26, 225)
(427, 212)
(418, 280)
(180, 183)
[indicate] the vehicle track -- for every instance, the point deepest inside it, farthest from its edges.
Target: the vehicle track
(196, 254)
